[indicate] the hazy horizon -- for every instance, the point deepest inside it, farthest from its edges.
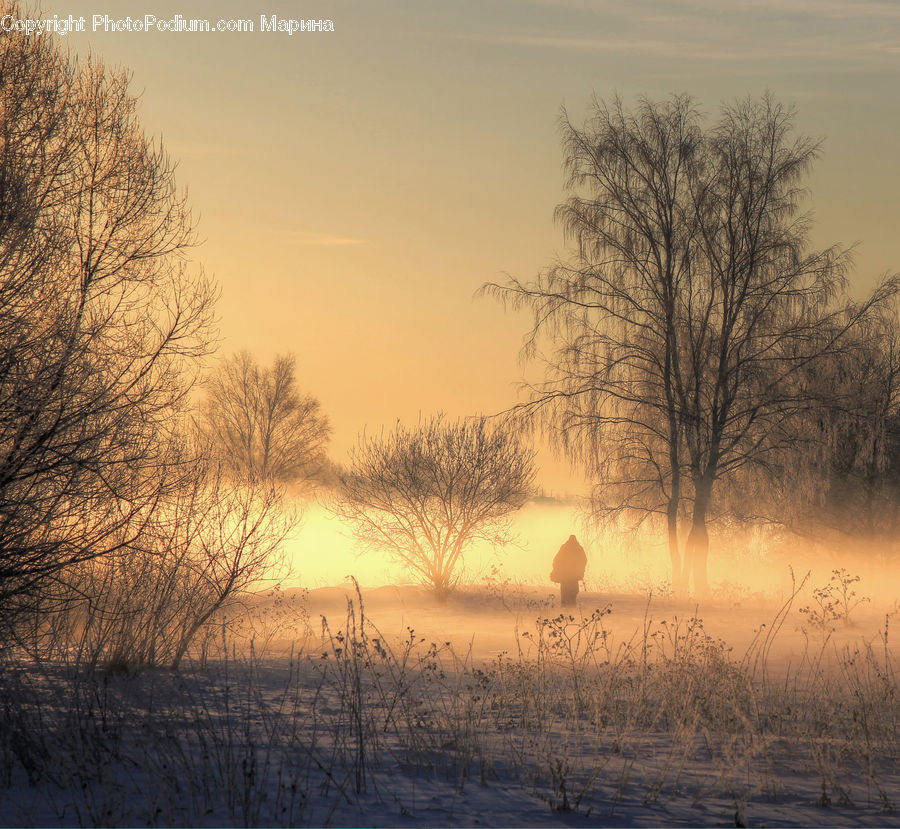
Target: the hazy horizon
(312, 589)
(355, 188)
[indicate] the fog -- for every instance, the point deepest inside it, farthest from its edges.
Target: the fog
(753, 564)
(322, 553)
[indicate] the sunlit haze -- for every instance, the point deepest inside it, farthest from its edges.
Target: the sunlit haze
(283, 537)
(355, 188)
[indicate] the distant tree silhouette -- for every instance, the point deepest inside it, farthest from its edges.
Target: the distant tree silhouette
(427, 493)
(691, 311)
(260, 424)
(842, 484)
(101, 318)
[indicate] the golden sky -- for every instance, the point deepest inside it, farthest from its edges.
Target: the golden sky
(355, 188)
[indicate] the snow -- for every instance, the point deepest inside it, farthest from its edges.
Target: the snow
(384, 708)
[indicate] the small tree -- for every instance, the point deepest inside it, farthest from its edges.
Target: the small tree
(427, 493)
(209, 543)
(261, 424)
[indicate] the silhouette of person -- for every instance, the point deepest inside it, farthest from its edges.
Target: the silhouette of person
(568, 570)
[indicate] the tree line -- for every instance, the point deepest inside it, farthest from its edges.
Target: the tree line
(144, 488)
(703, 361)
(122, 530)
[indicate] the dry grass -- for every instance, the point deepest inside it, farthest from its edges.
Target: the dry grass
(668, 720)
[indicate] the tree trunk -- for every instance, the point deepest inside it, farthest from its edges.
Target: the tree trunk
(441, 585)
(695, 558)
(696, 550)
(188, 636)
(679, 585)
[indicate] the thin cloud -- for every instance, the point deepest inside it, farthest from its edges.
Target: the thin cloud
(821, 49)
(312, 238)
(186, 150)
(825, 35)
(836, 9)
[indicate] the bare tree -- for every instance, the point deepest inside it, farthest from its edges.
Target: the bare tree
(208, 543)
(261, 424)
(763, 311)
(842, 484)
(224, 538)
(101, 319)
(690, 311)
(609, 398)
(428, 492)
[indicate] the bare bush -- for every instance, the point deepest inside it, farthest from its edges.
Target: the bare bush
(426, 493)
(206, 544)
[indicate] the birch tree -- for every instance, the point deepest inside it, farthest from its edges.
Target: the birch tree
(685, 323)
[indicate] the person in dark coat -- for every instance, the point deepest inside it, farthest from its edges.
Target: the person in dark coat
(568, 570)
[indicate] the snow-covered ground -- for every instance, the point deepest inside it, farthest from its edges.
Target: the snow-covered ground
(494, 709)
